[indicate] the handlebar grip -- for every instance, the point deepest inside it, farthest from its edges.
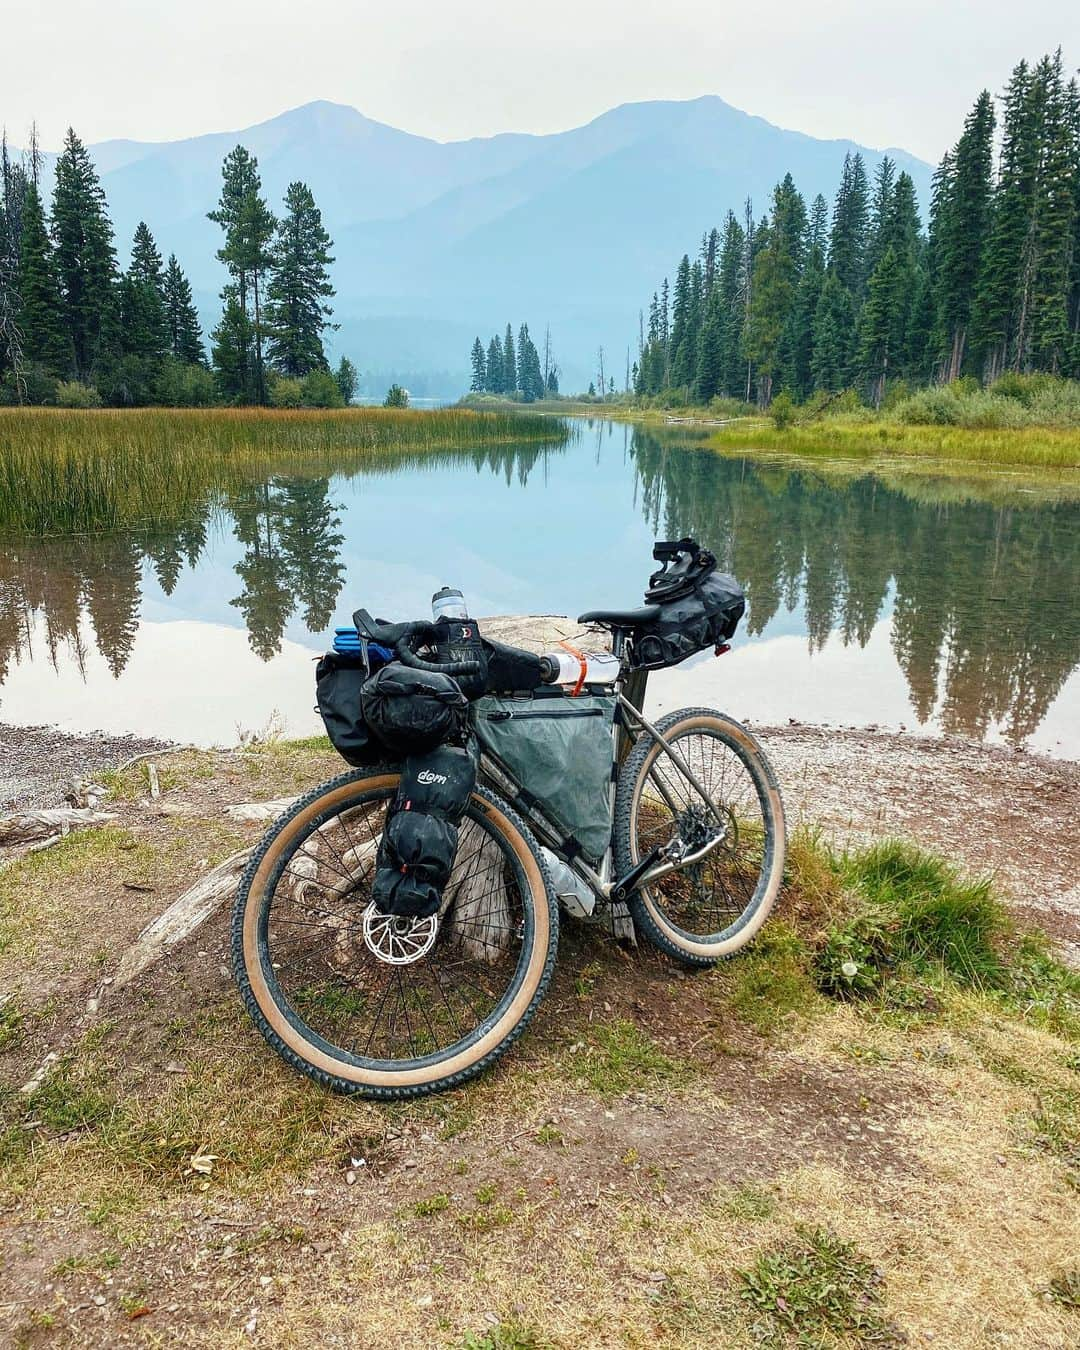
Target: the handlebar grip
(408, 657)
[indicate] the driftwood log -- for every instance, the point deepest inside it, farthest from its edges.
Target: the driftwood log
(26, 827)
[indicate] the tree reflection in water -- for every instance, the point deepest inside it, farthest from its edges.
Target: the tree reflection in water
(984, 623)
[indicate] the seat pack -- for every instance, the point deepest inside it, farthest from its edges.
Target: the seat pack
(697, 607)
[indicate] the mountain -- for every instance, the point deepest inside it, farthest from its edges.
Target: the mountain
(436, 242)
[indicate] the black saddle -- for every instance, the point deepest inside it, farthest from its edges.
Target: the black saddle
(621, 618)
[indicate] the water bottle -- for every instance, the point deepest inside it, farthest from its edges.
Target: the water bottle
(563, 667)
(459, 638)
(448, 604)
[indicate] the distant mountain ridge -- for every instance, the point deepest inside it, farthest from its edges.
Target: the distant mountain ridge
(438, 241)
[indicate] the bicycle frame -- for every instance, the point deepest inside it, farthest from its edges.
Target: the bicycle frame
(627, 730)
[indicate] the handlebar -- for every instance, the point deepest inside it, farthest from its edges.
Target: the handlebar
(408, 657)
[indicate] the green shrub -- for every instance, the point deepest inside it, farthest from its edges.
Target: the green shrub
(319, 389)
(396, 397)
(782, 410)
(286, 392)
(73, 394)
(180, 385)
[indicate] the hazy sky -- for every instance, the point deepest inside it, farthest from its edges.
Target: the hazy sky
(881, 73)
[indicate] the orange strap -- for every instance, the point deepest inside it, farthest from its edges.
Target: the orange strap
(584, 666)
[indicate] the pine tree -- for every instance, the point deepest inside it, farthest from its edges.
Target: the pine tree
(730, 279)
(249, 227)
(881, 211)
(881, 323)
(231, 351)
(509, 362)
(847, 242)
(85, 259)
(682, 351)
(40, 315)
(479, 367)
(495, 369)
(798, 339)
(299, 286)
(181, 317)
(776, 276)
(833, 336)
(346, 377)
(1055, 221)
(144, 328)
(998, 288)
(964, 220)
(710, 351)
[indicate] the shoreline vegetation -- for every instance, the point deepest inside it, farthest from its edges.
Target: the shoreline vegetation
(65, 471)
(1019, 420)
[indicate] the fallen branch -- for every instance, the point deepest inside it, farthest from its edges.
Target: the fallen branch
(183, 916)
(27, 826)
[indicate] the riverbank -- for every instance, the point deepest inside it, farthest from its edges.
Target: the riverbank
(662, 1160)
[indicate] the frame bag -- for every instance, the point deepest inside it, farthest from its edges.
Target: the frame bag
(559, 751)
(420, 836)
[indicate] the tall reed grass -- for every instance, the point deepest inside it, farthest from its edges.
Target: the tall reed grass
(67, 471)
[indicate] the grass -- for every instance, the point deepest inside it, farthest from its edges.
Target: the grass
(1035, 447)
(71, 472)
(620, 1057)
(817, 1289)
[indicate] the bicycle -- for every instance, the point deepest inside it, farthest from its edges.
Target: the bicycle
(388, 1008)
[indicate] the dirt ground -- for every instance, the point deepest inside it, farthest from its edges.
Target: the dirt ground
(653, 1138)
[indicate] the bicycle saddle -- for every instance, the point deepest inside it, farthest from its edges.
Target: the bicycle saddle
(621, 618)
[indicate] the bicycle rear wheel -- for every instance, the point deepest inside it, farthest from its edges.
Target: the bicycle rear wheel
(709, 910)
(385, 1007)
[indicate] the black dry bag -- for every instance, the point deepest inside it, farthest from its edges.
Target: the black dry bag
(411, 711)
(339, 680)
(420, 837)
(699, 607)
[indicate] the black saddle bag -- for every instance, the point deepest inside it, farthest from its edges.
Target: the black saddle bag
(420, 837)
(699, 607)
(411, 711)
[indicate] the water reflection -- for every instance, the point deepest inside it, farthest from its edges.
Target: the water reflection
(977, 595)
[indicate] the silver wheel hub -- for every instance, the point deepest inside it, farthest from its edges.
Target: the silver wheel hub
(398, 941)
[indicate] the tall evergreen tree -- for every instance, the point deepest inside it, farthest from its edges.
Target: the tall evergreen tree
(249, 227)
(1055, 219)
(495, 368)
(881, 210)
(479, 367)
(882, 323)
(299, 287)
(776, 276)
(40, 315)
(85, 259)
(231, 350)
(847, 242)
(145, 328)
(181, 317)
(964, 221)
(509, 382)
(833, 336)
(682, 347)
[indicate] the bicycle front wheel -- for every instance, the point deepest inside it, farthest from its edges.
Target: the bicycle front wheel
(707, 910)
(386, 1007)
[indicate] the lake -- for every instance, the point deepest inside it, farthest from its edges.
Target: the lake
(877, 597)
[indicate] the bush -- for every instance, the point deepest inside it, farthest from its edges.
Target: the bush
(782, 410)
(396, 397)
(1010, 402)
(319, 389)
(286, 392)
(184, 386)
(73, 394)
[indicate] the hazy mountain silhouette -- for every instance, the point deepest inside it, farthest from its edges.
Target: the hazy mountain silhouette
(436, 242)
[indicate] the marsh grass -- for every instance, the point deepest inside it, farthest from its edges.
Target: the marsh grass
(67, 471)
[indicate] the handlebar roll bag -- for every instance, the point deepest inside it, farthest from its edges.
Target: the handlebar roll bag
(412, 711)
(420, 837)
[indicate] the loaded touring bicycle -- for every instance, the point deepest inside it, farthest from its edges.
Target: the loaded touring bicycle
(397, 928)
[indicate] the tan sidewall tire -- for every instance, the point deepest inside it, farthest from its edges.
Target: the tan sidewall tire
(755, 759)
(341, 1073)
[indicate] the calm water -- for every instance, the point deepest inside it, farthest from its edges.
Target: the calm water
(933, 605)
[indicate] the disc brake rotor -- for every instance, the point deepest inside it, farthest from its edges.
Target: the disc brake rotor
(398, 941)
